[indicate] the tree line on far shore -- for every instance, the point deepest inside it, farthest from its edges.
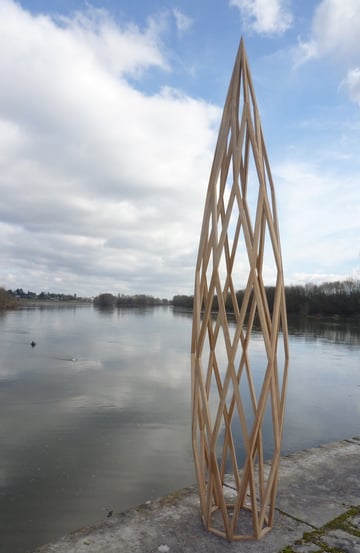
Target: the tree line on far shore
(121, 300)
(340, 298)
(10, 299)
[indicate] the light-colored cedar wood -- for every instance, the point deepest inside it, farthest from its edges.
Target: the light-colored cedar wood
(232, 395)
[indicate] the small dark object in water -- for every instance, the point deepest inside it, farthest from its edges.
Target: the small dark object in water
(33, 344)
(109, 514)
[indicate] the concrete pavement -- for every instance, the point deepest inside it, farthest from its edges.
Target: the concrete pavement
(318, 509)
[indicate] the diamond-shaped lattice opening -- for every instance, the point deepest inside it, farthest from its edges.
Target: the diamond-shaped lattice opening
(228, 462)
(239, 274)
(230, 303)
(219, 340)
(268, 260)
(270, 193)
(200, 443)
(228, 149)
(213, 393)
(247, 395)
(283, 370)
(258, 360)
(226, 261)
(251, 195)
(223, 189)
(231, 242)
(243, 145)
(281, 365)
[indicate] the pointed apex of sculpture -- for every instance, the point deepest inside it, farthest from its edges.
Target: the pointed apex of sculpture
(242, 49)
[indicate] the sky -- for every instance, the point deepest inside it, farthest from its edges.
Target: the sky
(109, 114)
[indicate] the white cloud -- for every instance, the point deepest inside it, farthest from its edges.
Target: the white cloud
(352, 84)
(335, 32)
(103, 183)
(265, 16)
(183, 22)
(126, 50)
(336, 29)
(320, 213)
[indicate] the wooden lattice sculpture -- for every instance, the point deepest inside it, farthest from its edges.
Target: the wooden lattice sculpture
(239, 347)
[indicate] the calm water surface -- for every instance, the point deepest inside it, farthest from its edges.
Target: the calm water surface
(96, 417)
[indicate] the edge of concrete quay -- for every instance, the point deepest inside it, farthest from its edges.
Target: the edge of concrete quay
(317, 509)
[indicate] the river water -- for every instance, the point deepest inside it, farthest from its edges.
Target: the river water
(96, 417)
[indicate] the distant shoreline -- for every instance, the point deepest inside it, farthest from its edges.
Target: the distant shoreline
(21, 303)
